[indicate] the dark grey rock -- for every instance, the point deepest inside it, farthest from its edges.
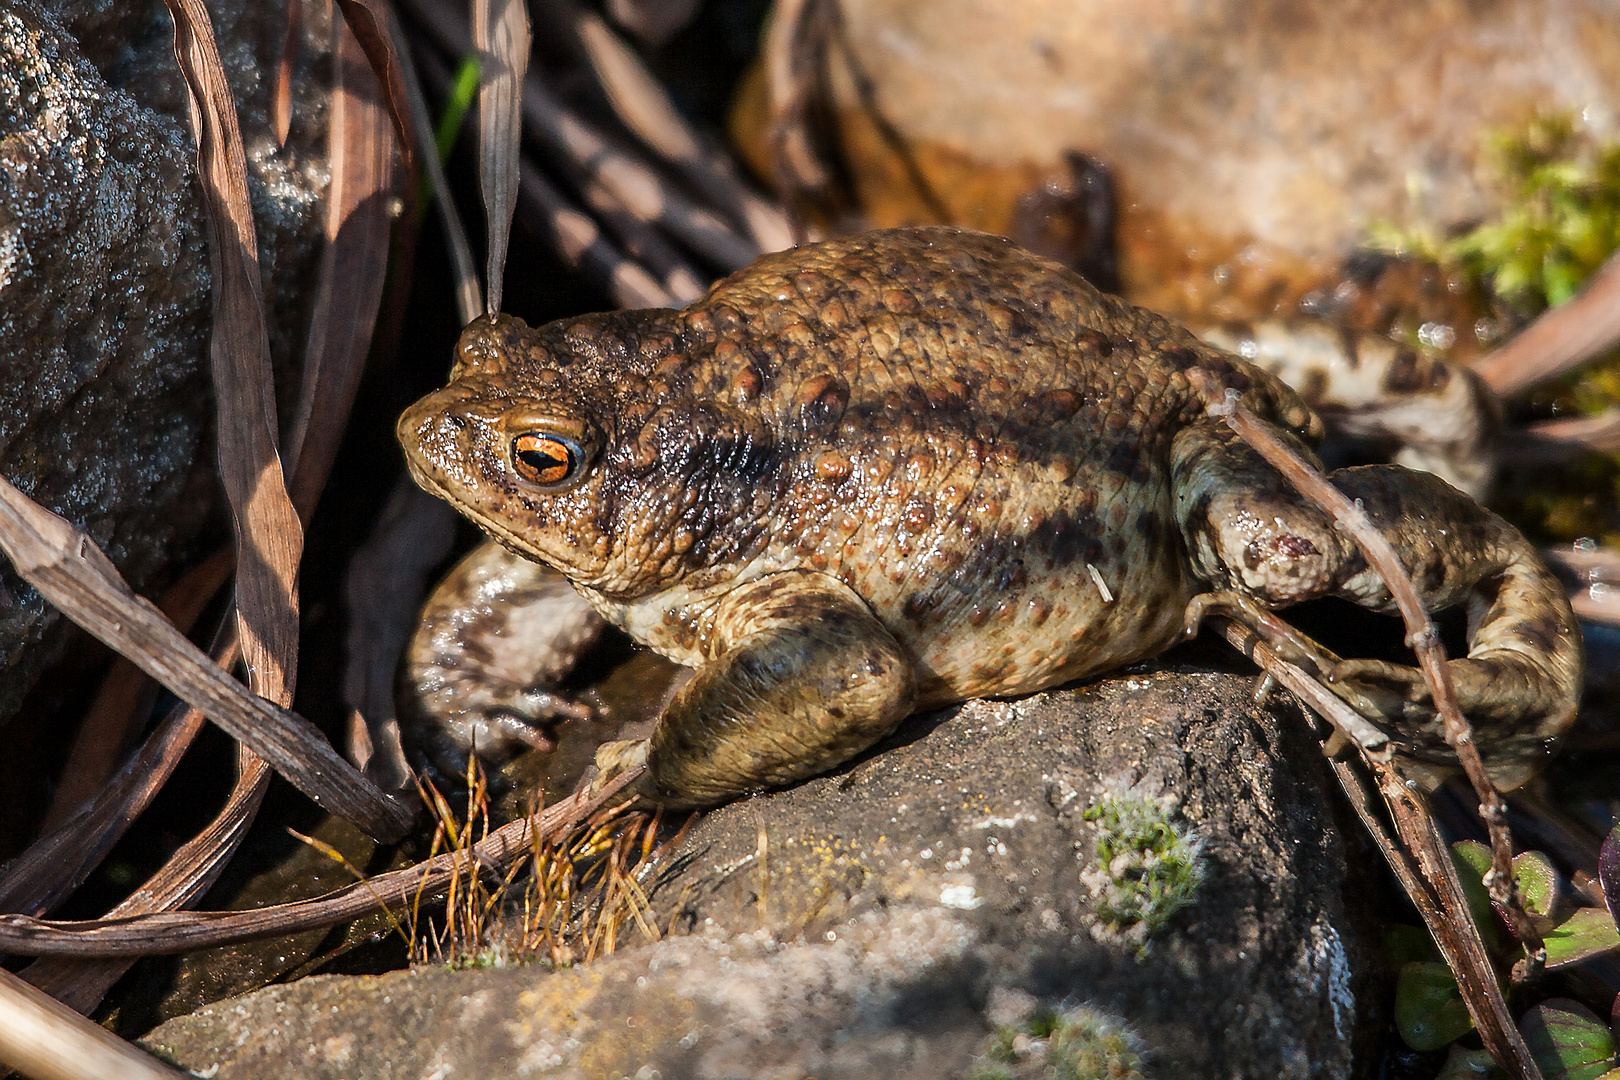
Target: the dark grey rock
(904, 908)
(105, 411)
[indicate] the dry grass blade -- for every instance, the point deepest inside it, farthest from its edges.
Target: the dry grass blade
(372, 23)
(577, 237)
(501, 36)
(469, 296)
(269, 537)
(281, 99)
(353, 268)
(1561, 339)
(73, 574)
(1485, 1001)
(646, 110)
(47, 1041)
(172, 932)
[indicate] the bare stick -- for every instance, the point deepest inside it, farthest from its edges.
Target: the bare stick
(1349, 724)
(172, 932)
(1429, 878)
(1485, 1004)
(48, 1041)
(1561, 339)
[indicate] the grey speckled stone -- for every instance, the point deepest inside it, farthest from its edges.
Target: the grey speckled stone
(907, 902)
(105, 413)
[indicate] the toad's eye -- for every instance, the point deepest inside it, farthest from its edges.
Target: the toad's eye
(547, 460)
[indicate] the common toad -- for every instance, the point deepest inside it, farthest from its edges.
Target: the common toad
(877, 475)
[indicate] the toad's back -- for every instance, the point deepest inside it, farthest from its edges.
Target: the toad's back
(970, 437)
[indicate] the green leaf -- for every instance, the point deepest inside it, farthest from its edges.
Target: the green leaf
(1586, 933)
(1429, 1011)
(1567, 1041)
(1538, 881)
(1473, 860)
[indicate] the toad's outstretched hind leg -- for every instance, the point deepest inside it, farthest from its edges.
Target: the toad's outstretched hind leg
(1248, 531)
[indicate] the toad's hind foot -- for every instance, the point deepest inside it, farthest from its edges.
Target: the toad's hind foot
(1519, 685)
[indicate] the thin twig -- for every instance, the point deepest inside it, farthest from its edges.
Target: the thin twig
(1561, 339)
(1480, 991)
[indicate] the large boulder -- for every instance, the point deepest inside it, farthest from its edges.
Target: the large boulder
(105, 409)
(908, 916)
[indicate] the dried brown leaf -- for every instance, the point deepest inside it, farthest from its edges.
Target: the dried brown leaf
(269, 538)
(281, 99)
(354, 267)
(372, 23)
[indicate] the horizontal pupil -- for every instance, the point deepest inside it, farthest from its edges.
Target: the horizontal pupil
(539, 459)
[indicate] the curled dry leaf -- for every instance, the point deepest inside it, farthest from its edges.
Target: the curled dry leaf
(269, 538)
(371, 22)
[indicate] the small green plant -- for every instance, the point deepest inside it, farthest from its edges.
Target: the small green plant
(1560, 218)
(1147, 865)
(1565, 1037)
(1078, 1044)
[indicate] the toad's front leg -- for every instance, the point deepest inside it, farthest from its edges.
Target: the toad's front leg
(1248, 531)
(800, 677)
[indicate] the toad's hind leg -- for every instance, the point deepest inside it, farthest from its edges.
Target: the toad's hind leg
(1247, 530)
(800, 678)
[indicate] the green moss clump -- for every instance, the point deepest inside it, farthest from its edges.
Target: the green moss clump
(1560, 218)
(1078, 1044)
(1147, 866)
